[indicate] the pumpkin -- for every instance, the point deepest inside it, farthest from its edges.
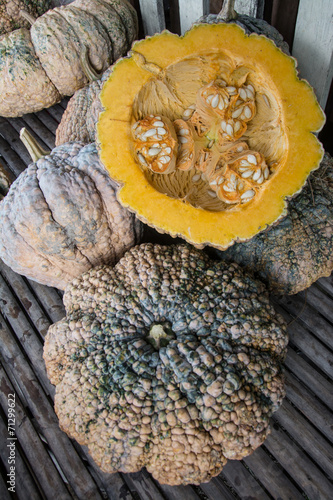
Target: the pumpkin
(209, 134)
(61, 216)
(293, 254)
(40, 66)
(169, 361)
(78, 122)
(10, 13)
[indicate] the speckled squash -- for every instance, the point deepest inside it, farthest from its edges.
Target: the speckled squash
(78, 123)
(40, 66)
(209, 133)
(61, 217)
(292, 255)
(10, 13)
(169, 361)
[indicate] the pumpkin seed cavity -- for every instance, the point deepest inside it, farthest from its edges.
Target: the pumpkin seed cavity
(212, 152)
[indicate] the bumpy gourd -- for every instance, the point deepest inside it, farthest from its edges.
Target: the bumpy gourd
(78, 123)
(292, 255)
(61, 217)
(209, 133)
(40, 66)
(10, 13)
(169, 361)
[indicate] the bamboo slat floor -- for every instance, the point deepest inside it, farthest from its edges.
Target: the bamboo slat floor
(295, 462)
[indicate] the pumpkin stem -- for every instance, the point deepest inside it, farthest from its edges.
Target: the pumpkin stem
(35, 150)
(142, 62)
(88, 68)
(227, 12)
(160, 335)
(31, 19)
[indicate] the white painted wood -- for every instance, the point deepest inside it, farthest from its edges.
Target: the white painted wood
(190, 11)
(153, 18)
(248, 7)
(313, 45)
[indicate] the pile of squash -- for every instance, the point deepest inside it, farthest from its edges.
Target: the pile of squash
(169, 356)
(40, 65)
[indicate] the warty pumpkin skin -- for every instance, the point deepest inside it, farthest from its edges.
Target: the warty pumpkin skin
(61, 217)
(169, 361)
(78, 122)
(10, 13)
(292, 255)
(24, 85)
(236, 133)
(40, 66)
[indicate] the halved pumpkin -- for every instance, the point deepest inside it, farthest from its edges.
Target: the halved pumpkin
(244, 128)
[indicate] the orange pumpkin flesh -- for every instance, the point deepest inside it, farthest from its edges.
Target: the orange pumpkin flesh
(283, 133)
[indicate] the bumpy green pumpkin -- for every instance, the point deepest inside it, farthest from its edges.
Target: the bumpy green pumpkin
(290, 256)
(61, 217)
(169, 361)
(10, 13)
(39, 66)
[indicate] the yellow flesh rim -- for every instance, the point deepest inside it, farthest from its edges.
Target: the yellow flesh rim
(301, 117)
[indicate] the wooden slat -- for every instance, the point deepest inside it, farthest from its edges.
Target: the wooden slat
(177, 492)
(27, 300)
(299, 308)
(11, 135)
(49, 121)
(140, 483)
(307, 475)
(26, 334)
(242, 481)
(50, 299)
(190, 11)
(312, 409)
(326, 284)
(313, 45)
(321, 386)
(307, 436)
(153, 19)
(113, 484)
(217, 489)
(25, 486)
(301, 338)
(318, 300)
(42, 134)
(21, 373)
(4, 493)
(48, 477)
(272, 475)
(15, 163)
